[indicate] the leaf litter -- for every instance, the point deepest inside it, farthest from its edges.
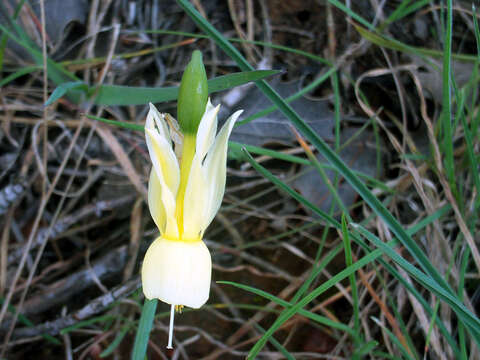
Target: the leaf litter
(261, 238)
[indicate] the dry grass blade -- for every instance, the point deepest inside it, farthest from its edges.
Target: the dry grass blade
(135, 237)
(385, 311)
(4, 251)
(37, 223)
(122, 158)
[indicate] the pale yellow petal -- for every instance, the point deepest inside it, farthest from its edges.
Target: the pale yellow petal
(163, 159)
(207, 129)
(156, 120)
(195, 201)
(215, 167)
(175, 134)
(168, 173)
(155, 203)
(177, 272)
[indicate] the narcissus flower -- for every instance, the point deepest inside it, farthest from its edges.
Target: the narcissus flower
(185, 191)
(177, 265)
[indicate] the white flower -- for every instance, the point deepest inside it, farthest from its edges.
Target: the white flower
(177, 272)
(183, 197)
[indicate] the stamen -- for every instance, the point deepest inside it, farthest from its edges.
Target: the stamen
(170, 328)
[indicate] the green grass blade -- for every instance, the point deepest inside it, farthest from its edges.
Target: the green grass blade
(446, 116)
(56, 72)
(437, 303)
(277, 345)
(288, 313)
(123, 124)
(85, 323)
(128, 95)
(234, 146)
(259, 43)
(144, 328)
(461, 289)
(64, 88)
(3, 45)
(125, 95)
(324, 216)
(351, 13)
(337, 108)
(114, 344)
(238, 153)
(27, 322)
(404, 9)
(393, 44)
(472, 160)
(471, 320)
(420, 225)
(366, 348)
(353, 283)
(336, 200)
(322, 147)
(3, 38)
(316, 271)
(308, 314)
(394, 339)
(398, 13)
(23, 71)
(403, 327)
(476, 121)
(291, 98)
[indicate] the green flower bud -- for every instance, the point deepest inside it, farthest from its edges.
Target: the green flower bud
(193, 95)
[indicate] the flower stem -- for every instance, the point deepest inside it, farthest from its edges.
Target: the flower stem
(188, 152)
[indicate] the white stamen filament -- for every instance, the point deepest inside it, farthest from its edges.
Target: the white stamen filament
(170, 328)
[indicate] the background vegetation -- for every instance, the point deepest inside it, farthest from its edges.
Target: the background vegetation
(349, 227)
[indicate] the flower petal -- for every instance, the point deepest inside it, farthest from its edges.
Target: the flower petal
(155, 119)
(215, 167)
(175, 134)
(207, 130)
(194, 201)
(177, 272)
(155, 204)
(168, 173)
(163, 158)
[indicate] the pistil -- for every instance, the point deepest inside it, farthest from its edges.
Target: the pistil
(170, 327)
